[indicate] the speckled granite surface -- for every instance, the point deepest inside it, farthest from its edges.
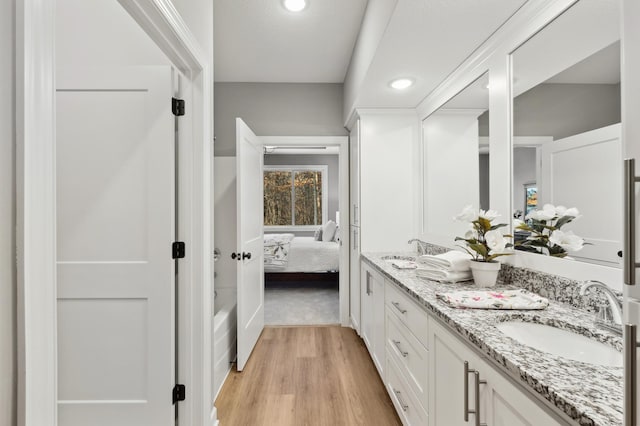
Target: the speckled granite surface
(553, 287)
(588, 394)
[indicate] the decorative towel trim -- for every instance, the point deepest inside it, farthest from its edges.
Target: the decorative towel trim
(404, 264)
(503, 299)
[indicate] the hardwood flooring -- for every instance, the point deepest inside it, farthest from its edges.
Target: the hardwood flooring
(306, 376)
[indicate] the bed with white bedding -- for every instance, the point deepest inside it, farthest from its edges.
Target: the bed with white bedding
(287, 253)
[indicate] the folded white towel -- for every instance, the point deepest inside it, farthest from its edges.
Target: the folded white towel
(444, 276)
(454, 261)
(505, 299)
(404, 264)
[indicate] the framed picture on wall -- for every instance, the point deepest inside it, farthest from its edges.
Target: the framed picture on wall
(530, 197)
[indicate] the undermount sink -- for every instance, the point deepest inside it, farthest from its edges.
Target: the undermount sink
(397, 257)
(561, 342)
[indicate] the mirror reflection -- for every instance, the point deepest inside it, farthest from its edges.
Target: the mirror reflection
(566, 136)
(456, 159)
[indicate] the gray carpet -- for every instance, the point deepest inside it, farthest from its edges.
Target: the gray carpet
(301, 303)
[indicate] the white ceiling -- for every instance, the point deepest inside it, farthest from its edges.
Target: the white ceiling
(427, 40)
(260, 41)
(580, 46)
(603, 67)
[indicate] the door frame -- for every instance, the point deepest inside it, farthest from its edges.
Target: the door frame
(342, 142)
(36, 207)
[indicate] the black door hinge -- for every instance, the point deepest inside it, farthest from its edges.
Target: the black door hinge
(177, 107)
(179, 393)
(178, 250)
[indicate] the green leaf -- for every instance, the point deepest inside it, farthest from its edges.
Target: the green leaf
(535, 243)
(493, 256)
(479, 248)
(484, 223)
(564, 220)
(500, 225)
(560, 255)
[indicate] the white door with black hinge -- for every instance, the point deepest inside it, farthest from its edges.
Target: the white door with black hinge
(250, 240)
(115, 229)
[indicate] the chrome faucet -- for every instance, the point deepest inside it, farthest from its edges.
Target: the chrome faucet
(421, 249)
(608, 317)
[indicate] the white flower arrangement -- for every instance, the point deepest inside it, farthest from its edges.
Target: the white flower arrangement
(483, 240)
(545, 234)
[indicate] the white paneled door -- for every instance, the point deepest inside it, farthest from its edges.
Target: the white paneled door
(249, 255)
(575, 168)
(115, 229)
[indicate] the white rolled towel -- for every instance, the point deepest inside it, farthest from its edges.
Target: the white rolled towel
(442, 275)
(452, 261)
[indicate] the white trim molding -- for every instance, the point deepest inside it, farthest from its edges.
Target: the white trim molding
(342, 142)
(36, 211)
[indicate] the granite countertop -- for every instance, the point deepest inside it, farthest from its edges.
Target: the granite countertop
(588, 394)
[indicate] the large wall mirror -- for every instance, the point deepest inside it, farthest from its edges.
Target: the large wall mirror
(456, 160)
(566, 132)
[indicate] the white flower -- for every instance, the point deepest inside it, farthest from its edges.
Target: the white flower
(548, 212)
(517, 223)
(468, 214)
(489, 214)
(471, 234)
(560, 210)
(567, 240)
(495, 241)
(572, 212)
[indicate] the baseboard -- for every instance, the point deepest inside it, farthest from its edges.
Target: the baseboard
(213, 417)
(354, 325)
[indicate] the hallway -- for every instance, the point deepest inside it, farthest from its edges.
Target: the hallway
(306, 376)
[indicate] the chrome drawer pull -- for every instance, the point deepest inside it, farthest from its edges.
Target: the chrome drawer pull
(478, 382)
(397, 343)
(404, 406)
(397, 305)
(629, 248)
(630, 375)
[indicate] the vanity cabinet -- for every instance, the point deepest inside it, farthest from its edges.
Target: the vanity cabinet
(407, 356)
(372, 327)
(501, 403)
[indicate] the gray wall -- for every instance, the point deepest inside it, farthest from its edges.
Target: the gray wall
(562, 110)
(276, 109)
(8, 345)
(315, 160)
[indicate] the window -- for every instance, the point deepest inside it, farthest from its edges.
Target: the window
(295, 196)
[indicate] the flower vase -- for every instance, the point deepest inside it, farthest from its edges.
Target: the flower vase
(485, 274)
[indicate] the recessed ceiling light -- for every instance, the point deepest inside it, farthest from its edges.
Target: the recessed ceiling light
(401, 83)
(295, 5)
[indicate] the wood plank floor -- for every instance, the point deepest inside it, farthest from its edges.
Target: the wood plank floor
(306, 376)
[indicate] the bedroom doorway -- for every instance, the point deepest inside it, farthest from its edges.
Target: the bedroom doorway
(305, 186)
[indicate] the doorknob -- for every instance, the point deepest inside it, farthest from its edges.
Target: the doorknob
(236, 256)
(245, 255)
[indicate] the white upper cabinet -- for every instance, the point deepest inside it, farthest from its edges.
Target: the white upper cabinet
(388, 141)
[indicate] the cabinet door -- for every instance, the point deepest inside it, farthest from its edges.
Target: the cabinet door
(366, 307)
(447, 380)
(509, 406)
(354, 160)
(354, 286)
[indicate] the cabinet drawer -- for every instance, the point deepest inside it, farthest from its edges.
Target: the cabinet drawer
(409, 313)
(409, 409)
(411, 357)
